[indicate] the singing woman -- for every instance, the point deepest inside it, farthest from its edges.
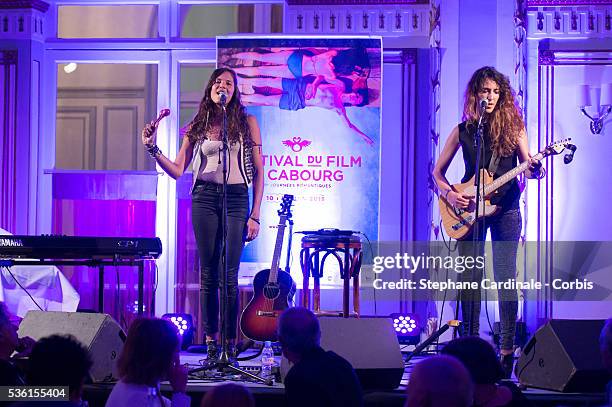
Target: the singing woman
(202, 144)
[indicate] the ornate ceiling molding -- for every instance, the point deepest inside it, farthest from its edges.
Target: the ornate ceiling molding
(546, 57)
(24, 4)
(353, 2)
(549, 57)
(570, 22)
(380, 19)
(562, 3)
(8, 57)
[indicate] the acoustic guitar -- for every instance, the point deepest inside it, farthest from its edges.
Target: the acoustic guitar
(459, 222)
(273, 290)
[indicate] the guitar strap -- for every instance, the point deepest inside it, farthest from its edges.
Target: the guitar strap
(494, 163)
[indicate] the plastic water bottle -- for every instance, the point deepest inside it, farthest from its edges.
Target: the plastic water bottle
(152, 397)
(267, 360)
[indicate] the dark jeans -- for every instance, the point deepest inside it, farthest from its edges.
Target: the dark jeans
(505, 232)
(206, 206)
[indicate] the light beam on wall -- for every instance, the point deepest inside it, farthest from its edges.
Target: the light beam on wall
(70, 68)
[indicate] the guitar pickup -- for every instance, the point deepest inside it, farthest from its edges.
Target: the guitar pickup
(272, 314)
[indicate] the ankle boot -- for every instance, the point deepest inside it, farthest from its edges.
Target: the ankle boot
(232, 353)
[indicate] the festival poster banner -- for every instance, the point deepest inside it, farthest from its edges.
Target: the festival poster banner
(317, 102)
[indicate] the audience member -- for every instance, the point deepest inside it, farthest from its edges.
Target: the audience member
(317, 378)
(439, 381)
(479, 358)
(59, 361)
(150, 355)
(9, 343)
(228, 395)
(605, 345)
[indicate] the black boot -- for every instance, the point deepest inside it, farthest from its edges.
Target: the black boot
(212, 351)
(507, 363)
(232, 354)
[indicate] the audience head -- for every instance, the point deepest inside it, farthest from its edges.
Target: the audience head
(299, 332)
(8, 333)
(59, 360)
(478, 356)
(605, 345)
(149, 351)
(230, 394)
(439, 381)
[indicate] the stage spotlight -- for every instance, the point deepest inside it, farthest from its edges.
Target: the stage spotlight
(406, 328)
(184, 324)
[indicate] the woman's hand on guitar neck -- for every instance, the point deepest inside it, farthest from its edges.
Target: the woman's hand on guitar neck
(458, 200)
(536, 171)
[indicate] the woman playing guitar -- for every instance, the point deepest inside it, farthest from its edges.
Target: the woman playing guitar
(504, 142)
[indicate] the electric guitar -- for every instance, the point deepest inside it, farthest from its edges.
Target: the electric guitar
(273, 290)
(459, 222)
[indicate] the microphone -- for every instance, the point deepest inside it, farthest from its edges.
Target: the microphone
(483, 105)
(162, 113)
(570, 156)
(222, 97)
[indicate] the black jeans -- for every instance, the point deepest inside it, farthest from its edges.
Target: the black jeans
(505, 233)
(206, 207)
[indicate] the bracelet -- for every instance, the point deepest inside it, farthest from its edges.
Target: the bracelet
(446, 193)
(153, 150)
(254, 219)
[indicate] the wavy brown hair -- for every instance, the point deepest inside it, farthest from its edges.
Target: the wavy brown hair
(505, 121)
(209, 111)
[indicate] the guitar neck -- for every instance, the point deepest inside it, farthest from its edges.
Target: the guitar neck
(277, 249)
(509, 176)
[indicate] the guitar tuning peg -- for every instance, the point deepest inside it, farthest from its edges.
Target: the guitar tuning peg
(570, 156)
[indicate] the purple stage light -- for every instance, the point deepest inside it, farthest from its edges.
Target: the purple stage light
(406, 328)
(184, 325)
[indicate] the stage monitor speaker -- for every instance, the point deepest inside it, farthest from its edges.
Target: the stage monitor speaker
(370, 345)
(99, 333)
(563, 355)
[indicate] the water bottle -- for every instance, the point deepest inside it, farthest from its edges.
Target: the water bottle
(152, 397)
(267, 360)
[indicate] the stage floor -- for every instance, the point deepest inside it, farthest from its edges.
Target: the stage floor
(273, 395)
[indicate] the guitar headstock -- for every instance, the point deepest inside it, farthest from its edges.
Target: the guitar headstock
(285, 209)
(557, 147)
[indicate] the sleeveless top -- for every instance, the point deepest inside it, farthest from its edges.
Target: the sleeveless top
(208, 163)
(507, 196)
(211, 163)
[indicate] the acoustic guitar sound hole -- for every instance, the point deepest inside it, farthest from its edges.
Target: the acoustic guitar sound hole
(271, 291)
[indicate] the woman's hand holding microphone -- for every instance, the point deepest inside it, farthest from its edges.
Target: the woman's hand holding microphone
(149, 136)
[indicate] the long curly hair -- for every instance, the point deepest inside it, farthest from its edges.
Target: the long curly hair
(505, 121)
(209, 112)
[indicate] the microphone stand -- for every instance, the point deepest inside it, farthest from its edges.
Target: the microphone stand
(421, 346)
(224, 364)
(478, 145)
(456, 323)
(224, 356)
